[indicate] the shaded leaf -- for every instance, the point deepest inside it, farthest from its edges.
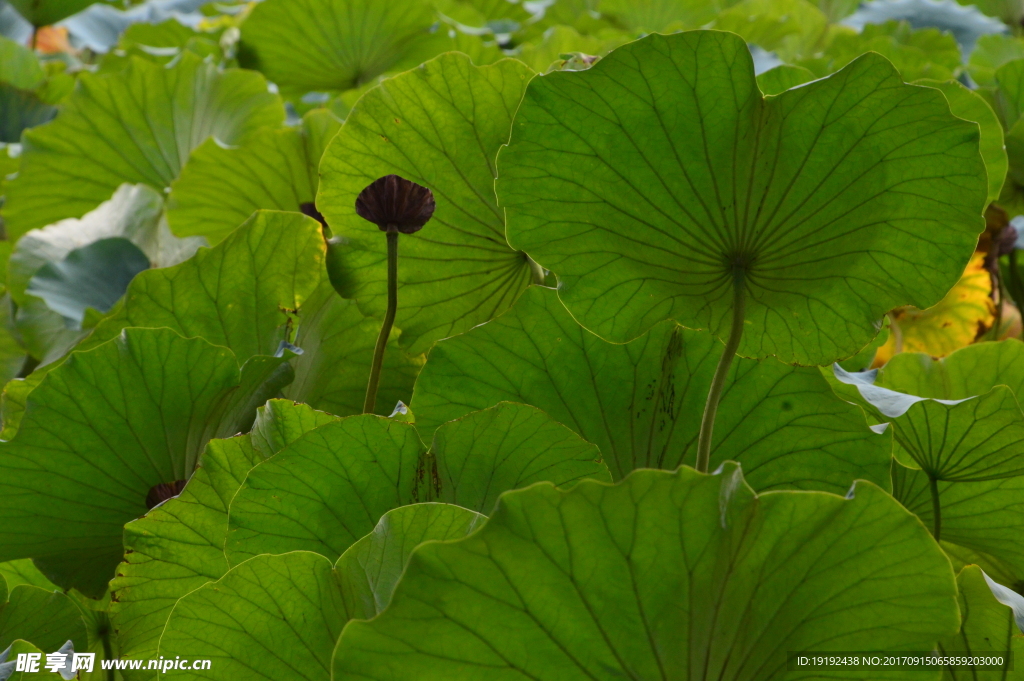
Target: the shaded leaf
(220, 187)
(179, 546)
(507, 447)
(44, 617)
(640, 403)
(86, 454)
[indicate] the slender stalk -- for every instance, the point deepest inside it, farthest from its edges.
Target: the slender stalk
(707, 424)
(936, 508)
(389, 321)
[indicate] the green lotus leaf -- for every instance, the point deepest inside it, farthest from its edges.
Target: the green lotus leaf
(496, 16)
(19, 66)
(86, 454)
(508, 446)
(161, 43)
(280, 423)
(635, 579)
(922, 53)
(458, 271)
(789, 27)
(134, 212)
(798, 240)
(338, 343)
(46, 12)
(640, 403)
(19, 111)
(136, 126)
(330, 487)
(220, 187)
(9, 657)
(982, 517)
(559, 40)
(988, 627)
(371, 568)
(272, 617)
(325, 490)
(973, 370)
(958, 440)
(305, 45)
(296, 604)
(241, 294)
(91, 277)
(970, 106)
(179, 546)
(45, 617)
(991, 52)
(661, 15)
(783, 77)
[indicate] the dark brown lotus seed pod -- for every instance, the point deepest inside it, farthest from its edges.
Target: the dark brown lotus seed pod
(394, 200)
(164, 491)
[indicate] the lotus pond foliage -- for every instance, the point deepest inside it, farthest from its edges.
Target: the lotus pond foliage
(494, 339)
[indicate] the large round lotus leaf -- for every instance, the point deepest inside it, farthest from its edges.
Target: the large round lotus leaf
(87, 454)
(440, 125)
(138, 126)
(45, 617)
(660, 185)
(46, 12)
(982, 517)
(337, 342)
(325, 490)
(179, 546)
(988, 628)
(509, 446)
(665, 575)
(640, 403)
(241, 294)
(275, 617)
(305, 45)
(220, 187)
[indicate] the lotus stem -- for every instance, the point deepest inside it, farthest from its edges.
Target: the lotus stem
(389, 321)
(933, 484)
(707, 425)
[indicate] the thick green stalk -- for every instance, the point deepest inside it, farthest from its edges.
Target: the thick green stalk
(707, 425)
(389, 321)
(936, 508)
